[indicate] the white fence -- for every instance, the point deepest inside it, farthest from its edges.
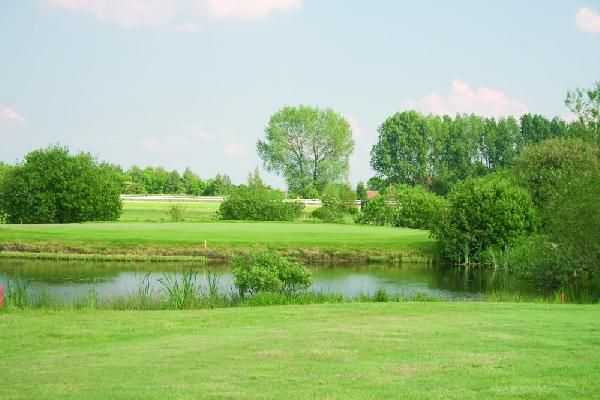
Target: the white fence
(201, 199)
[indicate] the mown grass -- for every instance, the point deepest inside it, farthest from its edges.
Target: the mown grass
(342, 351)
(158, 211)
(107, 236)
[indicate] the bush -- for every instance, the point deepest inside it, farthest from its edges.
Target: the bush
(337, 202)
(483, 213)
(404, 206)
(376, 212)
(416, 208)
(53, 186)
(177, 213)
(569, 254)
(248, 203)
(546, 168)
(269, 272)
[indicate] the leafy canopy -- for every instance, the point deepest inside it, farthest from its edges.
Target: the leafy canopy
(308, 146)
(54, 186)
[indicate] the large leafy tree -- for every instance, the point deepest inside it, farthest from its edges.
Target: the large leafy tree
(401, 154)
(308, 146)
(54, 186)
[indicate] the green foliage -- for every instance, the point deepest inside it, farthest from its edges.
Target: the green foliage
(4, 171)
(269, 272)
(308, 146)
(404, 206)
(483, 213)
(400, 154)
(376, 212)
(416, 208)
(219, 186)
(337, 202)
(361, 191)
(157, 180)
(568, 255)
(181, 292)
(252, 203)
(438, 152)
(53, 186)
(585, 104)
(177, 213)
(549, 169)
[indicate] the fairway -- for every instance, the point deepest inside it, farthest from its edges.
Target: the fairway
(192, 211)
(158, 211)
(222, 235)
(353, 351)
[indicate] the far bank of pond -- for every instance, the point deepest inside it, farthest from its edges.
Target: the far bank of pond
(308, 242)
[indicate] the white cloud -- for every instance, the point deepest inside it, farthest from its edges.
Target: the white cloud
(249, 9)
(588, 20)
(8, 114)
(174, 13)
(466, 99)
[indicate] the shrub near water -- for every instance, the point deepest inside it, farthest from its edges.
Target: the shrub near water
(269, 272)
(484, 213)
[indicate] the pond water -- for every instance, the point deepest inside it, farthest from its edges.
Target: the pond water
(68, 281)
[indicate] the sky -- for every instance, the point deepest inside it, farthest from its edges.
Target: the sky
(192, 83)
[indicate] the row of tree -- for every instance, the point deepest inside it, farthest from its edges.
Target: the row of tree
(158, 180)
(438, 152)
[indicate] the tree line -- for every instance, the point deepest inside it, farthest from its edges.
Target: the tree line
(158, 180)
(440, 151)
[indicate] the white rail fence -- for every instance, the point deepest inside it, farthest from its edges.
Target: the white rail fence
(201, 199)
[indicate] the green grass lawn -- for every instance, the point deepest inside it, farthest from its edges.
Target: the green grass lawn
(351, 351)
(158, 211)
(222, 235)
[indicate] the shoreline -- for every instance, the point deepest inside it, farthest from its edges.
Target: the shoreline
(158, 254)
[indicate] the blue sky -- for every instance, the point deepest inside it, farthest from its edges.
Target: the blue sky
(193, 82)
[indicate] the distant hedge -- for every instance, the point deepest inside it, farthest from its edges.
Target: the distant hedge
(258, 204)
(54, 186)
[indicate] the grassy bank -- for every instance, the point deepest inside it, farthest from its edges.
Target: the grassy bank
(346, 351)
(312, 242)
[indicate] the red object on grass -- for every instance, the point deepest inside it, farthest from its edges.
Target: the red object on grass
(1, 296)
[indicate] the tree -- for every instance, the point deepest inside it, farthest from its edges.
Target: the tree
(483, 213)
(544, 168)
(401, 153)
(308, 146)
(255, 181)
(173, 185)
(219, 186)
(585, 104)
(192, 184)
(361, 192)
(53, 186)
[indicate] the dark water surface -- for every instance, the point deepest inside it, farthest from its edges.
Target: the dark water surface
(67, 281)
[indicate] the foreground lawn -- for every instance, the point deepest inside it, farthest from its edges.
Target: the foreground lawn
(351, 351)
(222, 234)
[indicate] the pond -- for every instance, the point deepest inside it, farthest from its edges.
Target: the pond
(69, 281)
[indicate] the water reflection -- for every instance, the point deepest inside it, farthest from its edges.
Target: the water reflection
(73, 280)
